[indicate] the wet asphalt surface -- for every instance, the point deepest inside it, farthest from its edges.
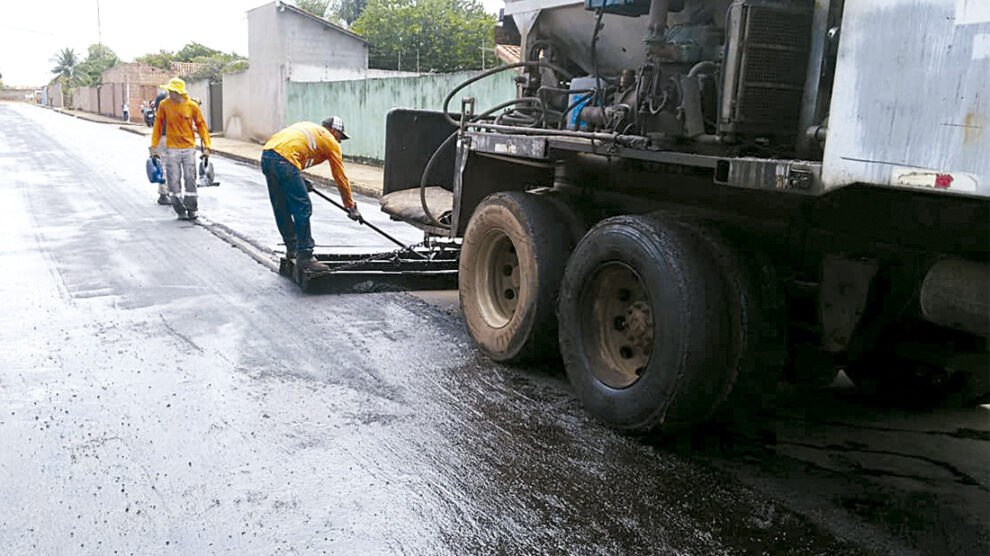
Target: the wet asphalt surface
(163, 393)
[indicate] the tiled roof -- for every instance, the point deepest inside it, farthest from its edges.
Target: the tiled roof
(508, 53)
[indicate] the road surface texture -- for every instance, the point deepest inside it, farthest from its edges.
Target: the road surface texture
(161, 392)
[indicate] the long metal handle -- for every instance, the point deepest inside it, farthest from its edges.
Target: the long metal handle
(369, 224)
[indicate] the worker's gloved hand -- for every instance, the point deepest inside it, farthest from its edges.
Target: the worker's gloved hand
(309, 185)
(354, 214)
(206, 152)
(153, 152)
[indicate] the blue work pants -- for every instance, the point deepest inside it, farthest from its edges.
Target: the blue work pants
(290, 202)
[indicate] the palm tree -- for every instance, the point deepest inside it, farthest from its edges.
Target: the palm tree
(66, 65)
(67, 70)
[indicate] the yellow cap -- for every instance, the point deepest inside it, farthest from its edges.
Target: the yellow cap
(177, 85)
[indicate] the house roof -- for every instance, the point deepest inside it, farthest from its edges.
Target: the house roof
(507, 53)
(283, 6)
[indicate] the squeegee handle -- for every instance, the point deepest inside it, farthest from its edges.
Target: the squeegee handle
(368, 224)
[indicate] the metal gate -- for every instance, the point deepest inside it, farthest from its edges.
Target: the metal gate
(216, 106)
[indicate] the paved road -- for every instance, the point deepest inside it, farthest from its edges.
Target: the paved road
(162, 392)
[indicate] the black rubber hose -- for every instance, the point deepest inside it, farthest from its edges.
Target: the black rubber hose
(594, 53)
(484, 74)
(436, 153)
(568, 92)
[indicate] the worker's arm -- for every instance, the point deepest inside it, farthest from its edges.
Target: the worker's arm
(204, 132)
(156, 132)
(336, 162)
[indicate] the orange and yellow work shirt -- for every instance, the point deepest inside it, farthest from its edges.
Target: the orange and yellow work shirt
(180, 118)
(306, 144)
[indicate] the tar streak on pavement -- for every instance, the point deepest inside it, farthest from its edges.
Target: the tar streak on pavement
(161, 392)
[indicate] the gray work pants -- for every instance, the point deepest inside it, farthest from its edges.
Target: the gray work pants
(180, 165)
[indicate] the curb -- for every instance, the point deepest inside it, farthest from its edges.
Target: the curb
(94, 119)
(356, 187)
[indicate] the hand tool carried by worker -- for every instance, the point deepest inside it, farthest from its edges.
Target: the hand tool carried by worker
(360, 219)
(206, 175)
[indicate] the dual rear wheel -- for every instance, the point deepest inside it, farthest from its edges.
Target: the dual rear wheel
(660, 322)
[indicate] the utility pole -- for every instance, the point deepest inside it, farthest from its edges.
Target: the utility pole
(417, 60)
(399, 68)
(99, 29)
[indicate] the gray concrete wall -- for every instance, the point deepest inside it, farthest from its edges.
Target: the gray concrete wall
(254, 101)
(313, 49)
(200, 90)
(284, 46)
(55, 95)
(238, 122)
(84, 99)
(26, 95)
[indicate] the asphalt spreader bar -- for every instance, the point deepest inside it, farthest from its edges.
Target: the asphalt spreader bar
(355, 273)
(408, 268)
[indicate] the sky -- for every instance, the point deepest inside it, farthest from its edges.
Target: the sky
(31, 32)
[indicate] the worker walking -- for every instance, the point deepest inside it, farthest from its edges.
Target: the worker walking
(182, 118)
(285, 155)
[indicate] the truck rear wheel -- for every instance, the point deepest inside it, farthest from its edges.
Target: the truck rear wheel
(512, 259)
(755, 305)
(644, 329)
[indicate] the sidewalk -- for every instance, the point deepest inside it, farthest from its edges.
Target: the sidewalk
(93, 117)
(366, 180)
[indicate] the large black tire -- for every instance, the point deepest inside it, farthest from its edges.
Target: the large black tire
(757, 313)
(645, 332)
(512, 259)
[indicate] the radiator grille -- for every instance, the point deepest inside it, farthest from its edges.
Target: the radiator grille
(775, 26)
(762, 104)
(781, 67)
(772, 60)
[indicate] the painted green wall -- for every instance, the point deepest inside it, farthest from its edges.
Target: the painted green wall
(364, 103)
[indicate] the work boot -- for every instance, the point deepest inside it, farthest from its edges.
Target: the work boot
(191, 215)
(306, 262)
(163, 200)
(290, 253)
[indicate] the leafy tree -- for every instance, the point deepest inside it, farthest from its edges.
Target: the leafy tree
(215, 66)
(194, 50)
(99, 59)
(347, 10)
(215, 62)
(66, 66)
(315, 7)
(162, 59)
(435, 35)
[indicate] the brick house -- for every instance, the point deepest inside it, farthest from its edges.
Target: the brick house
(127, 82)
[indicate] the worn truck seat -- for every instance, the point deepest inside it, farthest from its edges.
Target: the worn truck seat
(405, 205)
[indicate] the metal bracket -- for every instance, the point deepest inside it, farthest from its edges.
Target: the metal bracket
(844, 291)
(467, 111)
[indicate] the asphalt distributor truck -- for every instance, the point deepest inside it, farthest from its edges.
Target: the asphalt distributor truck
(689, 200)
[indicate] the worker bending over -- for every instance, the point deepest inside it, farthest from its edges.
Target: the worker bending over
(181, 118)
(285, 155)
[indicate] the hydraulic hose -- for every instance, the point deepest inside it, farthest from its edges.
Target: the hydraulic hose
(446, 113)
(484, 74)
(446, 142)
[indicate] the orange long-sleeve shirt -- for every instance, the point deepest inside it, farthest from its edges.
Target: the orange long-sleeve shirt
(305, 144)
(180, 119)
